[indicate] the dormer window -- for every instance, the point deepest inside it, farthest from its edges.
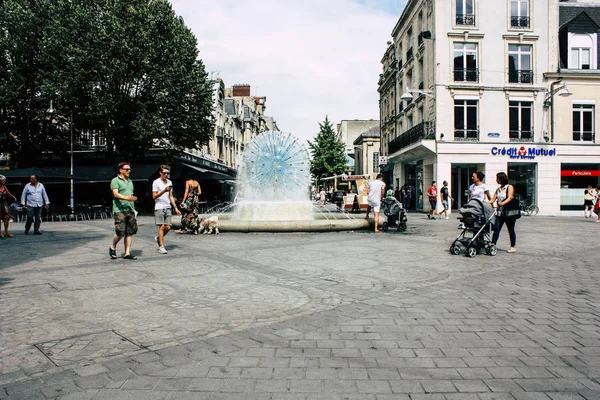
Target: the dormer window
(582, 51)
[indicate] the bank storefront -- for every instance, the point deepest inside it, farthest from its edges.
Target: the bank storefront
(552, 176)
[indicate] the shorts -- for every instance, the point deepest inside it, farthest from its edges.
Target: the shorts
(588, 203)
(375, 205)
(163, 216)
(446, 204)
(433, 204)
(125, 224)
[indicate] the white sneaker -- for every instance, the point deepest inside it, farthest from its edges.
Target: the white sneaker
(447, 218)
(162, 250)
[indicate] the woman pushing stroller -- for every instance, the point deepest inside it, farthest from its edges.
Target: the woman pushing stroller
(504, 195)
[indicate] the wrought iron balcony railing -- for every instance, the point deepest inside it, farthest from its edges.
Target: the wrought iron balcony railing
(466, 75)
(465, 19)
(424, 130)
(466, 135)
(519, 22)
(520, 136)
(409, 54)
(520, 76)
(583, 136)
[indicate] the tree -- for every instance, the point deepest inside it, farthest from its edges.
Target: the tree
(328, 157)
(127, 69)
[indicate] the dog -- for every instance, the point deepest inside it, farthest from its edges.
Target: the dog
(209, 225)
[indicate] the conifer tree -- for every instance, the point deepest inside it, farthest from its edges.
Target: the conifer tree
(328, 157)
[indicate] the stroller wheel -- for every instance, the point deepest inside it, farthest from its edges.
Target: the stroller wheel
(471, 251)
(385, 226)
(455, 250)
(401, 227)
(492, 250)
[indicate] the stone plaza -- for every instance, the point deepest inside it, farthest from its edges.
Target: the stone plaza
(301, 316)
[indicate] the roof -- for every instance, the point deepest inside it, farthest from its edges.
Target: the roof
(570, 11)
(373, 132)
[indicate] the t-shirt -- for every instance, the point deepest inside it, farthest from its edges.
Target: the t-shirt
(432, 193)
(375, 190)
(125, 188)
(444, 193)
(164, 201)
(478, 192)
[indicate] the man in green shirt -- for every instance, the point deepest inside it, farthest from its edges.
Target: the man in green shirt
(123, 210)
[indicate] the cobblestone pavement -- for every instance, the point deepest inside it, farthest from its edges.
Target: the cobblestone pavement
(344, 316)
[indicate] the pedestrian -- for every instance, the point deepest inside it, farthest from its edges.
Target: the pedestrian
(33, 198)
(478, 189)
(432, 194)
(445, 196)
(375, 192)
(123, 210)
(162, 193)
(597, 205)
(504, 195)
(588, 201)
(190, 206)
(405, 193)
(5, 207)
(322, 196)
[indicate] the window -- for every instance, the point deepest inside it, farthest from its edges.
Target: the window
(465, 62)
(582, 51)
(520, 121)
(520, 69)
(519, 13)
(466, 126)
(583, 122)
(465, 12)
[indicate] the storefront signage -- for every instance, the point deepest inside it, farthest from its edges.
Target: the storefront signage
(527, 153)
(579, 172)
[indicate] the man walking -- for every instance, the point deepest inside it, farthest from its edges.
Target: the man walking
(376, 192)
(444, 196)
(162, 193)
(34, 197)
(123, 210)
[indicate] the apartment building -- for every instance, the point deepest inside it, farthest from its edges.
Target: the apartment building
(366, 152)
(466, 86)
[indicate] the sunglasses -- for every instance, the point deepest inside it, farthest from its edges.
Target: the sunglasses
(165, 173)
(126, 169)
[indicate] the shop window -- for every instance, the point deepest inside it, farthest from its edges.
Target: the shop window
(519, 13)
(465, 62)
(520, 121)
(465, 12)
(583, 122)
(520, 66)
(575, 178)
(466, 123)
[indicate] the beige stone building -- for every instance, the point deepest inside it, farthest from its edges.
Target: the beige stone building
(349, 129)
(366, 152)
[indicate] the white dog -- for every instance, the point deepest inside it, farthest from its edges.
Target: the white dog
(209, 225)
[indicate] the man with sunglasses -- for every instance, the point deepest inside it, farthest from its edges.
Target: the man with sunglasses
(123, 210)
(162, 193)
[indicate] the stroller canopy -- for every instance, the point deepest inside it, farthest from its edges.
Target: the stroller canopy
(391, 206)
(478, 210)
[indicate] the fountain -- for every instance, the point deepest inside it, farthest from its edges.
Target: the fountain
(273, 191)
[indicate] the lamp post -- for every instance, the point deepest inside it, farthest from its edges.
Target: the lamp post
(550, 102)
(51, 110)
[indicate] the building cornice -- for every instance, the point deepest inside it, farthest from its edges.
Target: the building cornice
(466, 35)
(591, 75)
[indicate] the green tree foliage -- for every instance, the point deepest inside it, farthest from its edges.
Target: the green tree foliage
(328, 157)
(127, 69)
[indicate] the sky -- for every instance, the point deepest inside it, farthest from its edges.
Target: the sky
(310, 58)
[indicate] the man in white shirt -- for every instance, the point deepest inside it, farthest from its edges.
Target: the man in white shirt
(162, 193)
(34, 197)
(376, 193)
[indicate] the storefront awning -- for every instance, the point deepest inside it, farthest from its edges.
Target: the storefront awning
(207, 174)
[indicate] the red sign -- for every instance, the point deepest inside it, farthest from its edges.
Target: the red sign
(579, 172)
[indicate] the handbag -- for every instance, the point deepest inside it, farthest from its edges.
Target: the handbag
(511, 214)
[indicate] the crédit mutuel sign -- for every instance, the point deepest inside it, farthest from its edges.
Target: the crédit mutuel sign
(523, 153)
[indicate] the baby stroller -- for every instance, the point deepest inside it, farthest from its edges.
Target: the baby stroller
(395, 213)
(477, 218)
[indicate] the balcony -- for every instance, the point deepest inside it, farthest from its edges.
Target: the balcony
(519, 22)
(409, 54)
(219, 131)
(424, 130)
(465, 19)
(520, 76)
(466, 75)
(520, 136)
(466, 135)
(583, 136)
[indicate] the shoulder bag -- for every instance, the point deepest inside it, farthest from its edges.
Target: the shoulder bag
(512, 209)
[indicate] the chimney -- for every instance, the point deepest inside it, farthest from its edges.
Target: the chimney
(241, 90)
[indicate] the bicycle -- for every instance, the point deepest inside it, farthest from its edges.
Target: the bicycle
(528, 209)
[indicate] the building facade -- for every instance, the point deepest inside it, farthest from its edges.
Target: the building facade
(366, 152)
(468, 86)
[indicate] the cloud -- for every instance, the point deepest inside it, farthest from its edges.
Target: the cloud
(310, 59)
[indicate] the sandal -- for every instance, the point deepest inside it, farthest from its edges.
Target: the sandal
(112, 253)
(1, 236)
(129, 257)
(8, 234)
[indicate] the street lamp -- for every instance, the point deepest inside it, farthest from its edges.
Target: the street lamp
(51, 110)
(562, 91)
(408, 95)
